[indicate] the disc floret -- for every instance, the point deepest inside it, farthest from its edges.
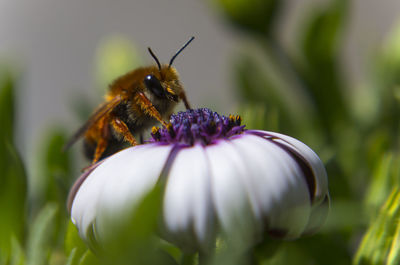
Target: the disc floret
(198, 126)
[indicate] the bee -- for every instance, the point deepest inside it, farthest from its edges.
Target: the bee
(135, 101)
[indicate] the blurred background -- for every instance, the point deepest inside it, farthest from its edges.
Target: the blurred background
(55, 43)
(326, 72)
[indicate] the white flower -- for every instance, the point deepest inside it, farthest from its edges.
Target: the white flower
(218, 177)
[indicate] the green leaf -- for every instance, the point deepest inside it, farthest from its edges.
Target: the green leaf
(385, 83)
(72, 260)
(322, 35)
(389, 57)
(383, 179)
(255, 16)
(13, 188)
(320, 67)
(7, 104)
(90, 259)
(17, 253)
(53, 178)
(41, 236)
(13, 182)
(74, 242)
(171, 250)
(377, 242)
(393, 257)
(252, 85)
(262, 94)
(133, 237)
(55, 168)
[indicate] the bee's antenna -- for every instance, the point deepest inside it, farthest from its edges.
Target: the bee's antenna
(155, 58)
(179, 51)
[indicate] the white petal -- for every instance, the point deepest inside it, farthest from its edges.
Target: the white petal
(119, 182)
(319, 213)
(321, 178)
(234, 202)
(187, 202)
(278, 184)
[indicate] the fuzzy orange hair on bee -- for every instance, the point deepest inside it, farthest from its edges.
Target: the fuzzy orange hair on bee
(134, 102)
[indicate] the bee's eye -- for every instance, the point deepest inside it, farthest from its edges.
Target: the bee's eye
(154, 85)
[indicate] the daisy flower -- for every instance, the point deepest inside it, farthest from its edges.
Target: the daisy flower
(217, 176)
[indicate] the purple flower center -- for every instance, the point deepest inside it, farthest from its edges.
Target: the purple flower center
(197, 126)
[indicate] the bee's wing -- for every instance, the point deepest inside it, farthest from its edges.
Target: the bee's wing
(104, 109)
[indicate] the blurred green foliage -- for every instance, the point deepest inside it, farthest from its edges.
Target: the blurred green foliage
(380, 244)
(115, 55)
(13, 181)
(302, 92)
(256, 16)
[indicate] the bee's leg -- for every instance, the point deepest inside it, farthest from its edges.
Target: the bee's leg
(102, 142)
(148, 107)
(141, 138)
(121, 128)
(182, 95)
(101, 147)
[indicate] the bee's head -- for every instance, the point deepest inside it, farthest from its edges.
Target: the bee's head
(163, 88)
(165, 83)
